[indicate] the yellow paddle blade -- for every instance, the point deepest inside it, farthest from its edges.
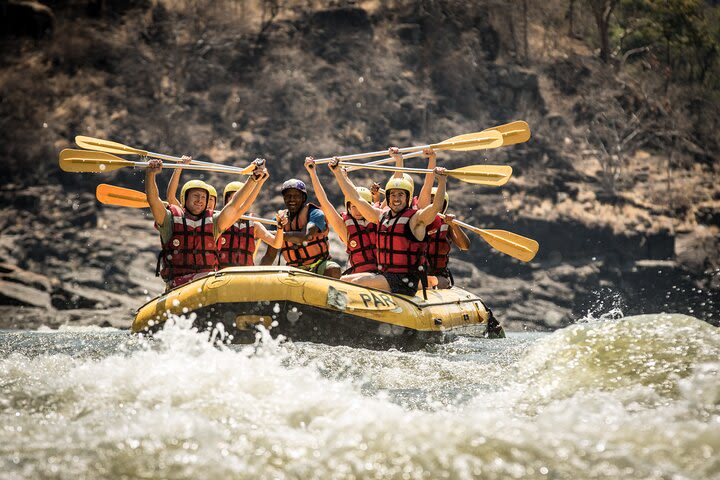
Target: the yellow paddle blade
(512, 133)
(512, 244)
(101, 145)
(493, 175)
(76, 153)
(472, 141)
(71, 162)
(123, 197)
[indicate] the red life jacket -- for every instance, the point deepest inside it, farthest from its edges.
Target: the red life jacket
(236, 246)
(191, 248)
(311, 251)
(398, 250)
(438, 240)
(361, 245)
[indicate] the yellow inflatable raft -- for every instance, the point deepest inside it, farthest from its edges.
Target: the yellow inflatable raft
(304, 306)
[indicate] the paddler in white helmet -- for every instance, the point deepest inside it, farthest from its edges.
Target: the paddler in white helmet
(188, 233)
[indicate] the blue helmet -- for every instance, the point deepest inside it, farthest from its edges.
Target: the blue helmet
(294, 183)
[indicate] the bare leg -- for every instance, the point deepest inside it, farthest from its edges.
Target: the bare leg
(372, 280)
(333, 272)
(443, 282)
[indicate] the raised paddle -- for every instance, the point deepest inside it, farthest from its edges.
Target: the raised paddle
(73, 160)
(385, 161)
(513, 132)
(126, 197)
(107, 146)
(509, 243)
(493, 175)
(486, 139)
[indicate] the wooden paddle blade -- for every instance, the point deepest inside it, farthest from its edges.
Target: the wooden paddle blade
(472, 141)
(71, 163)
(123, 197)
(512, 244)
(493, 175)
(512, 133)
(101, 145)
(76, 153)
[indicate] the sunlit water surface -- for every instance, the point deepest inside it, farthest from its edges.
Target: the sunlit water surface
(635, 397)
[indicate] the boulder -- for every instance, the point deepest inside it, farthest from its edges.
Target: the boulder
(17, 294)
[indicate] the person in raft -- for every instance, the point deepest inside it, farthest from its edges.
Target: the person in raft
(357, 233)
(236, 245)
(188, 233)
(401, 231)
(442, 233)
(305, 245)
(171, 192)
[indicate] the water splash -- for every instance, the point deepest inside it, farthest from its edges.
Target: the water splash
(635, 398)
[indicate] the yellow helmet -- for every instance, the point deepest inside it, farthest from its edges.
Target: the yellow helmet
(196, 184)
(407, 177)
(447, 199)
(212, 191)
(232, 187)
(400, 184)
(364, 193)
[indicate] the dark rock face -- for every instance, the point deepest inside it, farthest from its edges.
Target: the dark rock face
(336, 34)
(26, 18)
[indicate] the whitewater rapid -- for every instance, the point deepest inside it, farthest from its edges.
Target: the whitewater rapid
(635, 397)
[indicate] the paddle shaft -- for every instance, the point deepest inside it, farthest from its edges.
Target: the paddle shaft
(438, 146)
(209, 168)
(90, 143)
(412, 170)
(481, 232)
(387, 160)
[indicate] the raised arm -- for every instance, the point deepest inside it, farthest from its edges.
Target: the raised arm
(426, 191)
(399, 162)
(172, 187)
(270, 255)
(153, 195)
(427, 215)
(275, 240)
(368, 211)
(247, 204)
(457, 235)
(331, 215)
(232, 211)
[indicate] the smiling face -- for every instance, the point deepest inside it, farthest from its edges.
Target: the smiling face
(294, 200)
(196, 201)
(397, 200)
(354, 212)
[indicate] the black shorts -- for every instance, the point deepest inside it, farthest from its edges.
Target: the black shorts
(403, 283)
(445, 273)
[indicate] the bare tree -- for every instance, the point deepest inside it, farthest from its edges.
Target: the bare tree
(602, 11)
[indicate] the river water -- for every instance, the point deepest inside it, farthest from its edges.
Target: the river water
(635, 397)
